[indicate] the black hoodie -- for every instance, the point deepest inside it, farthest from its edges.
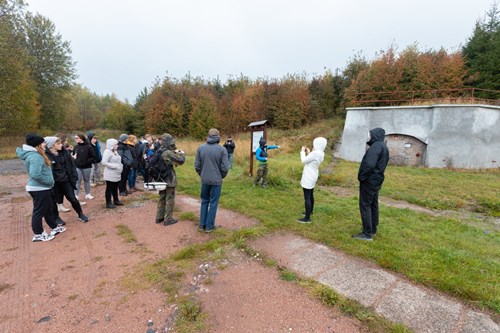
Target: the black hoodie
(371, 170)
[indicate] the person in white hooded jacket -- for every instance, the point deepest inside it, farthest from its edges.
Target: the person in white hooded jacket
(311, 160)
(113, 167)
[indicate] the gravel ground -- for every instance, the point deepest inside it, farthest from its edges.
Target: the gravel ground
(12, 167)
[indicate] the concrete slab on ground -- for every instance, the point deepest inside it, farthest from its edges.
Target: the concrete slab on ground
(420, 308)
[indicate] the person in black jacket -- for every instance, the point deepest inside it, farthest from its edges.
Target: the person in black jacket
(65, 176)
(95, 173)
(371, 177)
(127, 161)
(229, 145)
(84, 156)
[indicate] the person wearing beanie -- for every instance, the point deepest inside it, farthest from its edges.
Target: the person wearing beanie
(40, 183)
(65, 177)
(95, 172)
(261, 156)
(84, 156)
(211, 164)
(126, 158)
(311, 160)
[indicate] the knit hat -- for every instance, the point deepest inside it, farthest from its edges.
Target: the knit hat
(262, 142)
(123, 137)
(34, 140)
(50, 140)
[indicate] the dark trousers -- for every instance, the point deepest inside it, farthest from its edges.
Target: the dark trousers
(308, 201)
(368, 207)
(122, 186)
(111, 191)
(65, 189)
(42, 208)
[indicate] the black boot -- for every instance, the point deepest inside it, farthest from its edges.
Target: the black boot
(110, 205)
(118, 203)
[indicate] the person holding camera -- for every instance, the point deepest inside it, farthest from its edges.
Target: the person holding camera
(172, 157)
(229, 145)
(311, 160)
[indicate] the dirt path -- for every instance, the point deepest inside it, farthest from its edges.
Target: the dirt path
(75, 282)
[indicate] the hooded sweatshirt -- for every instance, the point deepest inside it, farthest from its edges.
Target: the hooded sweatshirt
(211, 161)
(40, 174)
(371, 170)
(311, 163)
(112, 162)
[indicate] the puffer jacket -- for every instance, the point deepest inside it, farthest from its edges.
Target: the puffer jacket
(372, 168)
(112, 162)
(39, 173)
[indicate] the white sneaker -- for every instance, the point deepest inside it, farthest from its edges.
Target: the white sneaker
(43, 237)
(89, 196)
(62, 209)
(59, 229)
(93, 184)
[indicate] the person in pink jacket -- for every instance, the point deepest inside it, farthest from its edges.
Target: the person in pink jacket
(311, 160)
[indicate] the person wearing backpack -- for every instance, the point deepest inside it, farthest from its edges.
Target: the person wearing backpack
(170, 157)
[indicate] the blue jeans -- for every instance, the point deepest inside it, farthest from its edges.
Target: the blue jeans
(132, 176)
(230, 160)
(209, 201)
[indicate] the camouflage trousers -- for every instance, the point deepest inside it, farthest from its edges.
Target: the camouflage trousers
(261, 175)
(165, 209)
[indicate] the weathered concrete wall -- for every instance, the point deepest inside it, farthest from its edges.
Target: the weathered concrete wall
(463, 136)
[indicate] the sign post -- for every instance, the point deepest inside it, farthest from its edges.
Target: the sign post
(257, 131)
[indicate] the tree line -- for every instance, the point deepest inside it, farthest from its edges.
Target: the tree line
(38, 90)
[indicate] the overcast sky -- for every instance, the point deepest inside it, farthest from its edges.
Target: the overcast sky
(121, 46)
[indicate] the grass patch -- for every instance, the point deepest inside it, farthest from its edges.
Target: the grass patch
(374, 322)
(126, 233)
(191, 318)
(189, 216)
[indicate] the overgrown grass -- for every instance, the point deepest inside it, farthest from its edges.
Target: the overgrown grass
(441, 252)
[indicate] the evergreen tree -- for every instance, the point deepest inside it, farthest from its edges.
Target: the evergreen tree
(482, 54)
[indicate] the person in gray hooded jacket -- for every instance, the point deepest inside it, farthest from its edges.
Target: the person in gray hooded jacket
(211, 164)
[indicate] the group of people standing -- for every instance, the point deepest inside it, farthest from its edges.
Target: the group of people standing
(52, 175)
(56, 170)
(370, 177)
